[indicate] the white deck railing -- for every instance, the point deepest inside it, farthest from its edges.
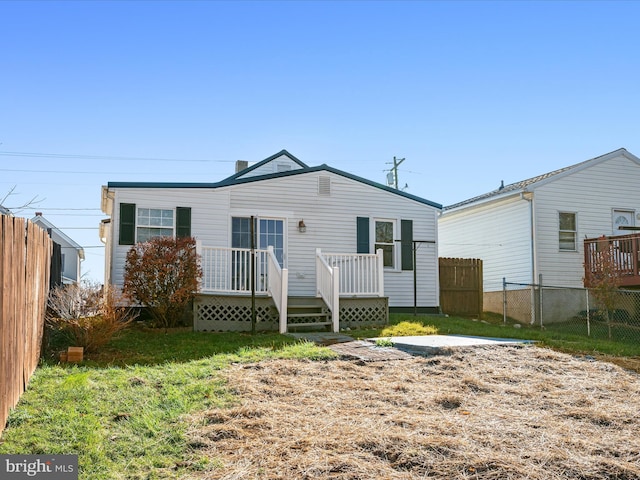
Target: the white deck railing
(327, 287)
(278, 287)
(228, 270)
(360, 274)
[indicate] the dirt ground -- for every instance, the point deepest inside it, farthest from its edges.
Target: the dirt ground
(482, 413)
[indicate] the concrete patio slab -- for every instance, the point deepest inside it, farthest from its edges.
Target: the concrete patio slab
(433, 343)
(403, 347)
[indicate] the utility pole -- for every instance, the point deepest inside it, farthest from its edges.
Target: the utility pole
(394, 169)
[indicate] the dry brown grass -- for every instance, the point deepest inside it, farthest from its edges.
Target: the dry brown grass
(484, 413)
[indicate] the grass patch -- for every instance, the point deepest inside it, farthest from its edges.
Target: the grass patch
(125, 410)
(408, 329)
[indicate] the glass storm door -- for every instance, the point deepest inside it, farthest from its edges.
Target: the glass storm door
(268, 232)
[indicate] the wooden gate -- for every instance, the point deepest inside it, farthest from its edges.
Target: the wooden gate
(461, 286)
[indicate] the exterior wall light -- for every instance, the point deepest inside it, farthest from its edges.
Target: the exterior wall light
(301, 226)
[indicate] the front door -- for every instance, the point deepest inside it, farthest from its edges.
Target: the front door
(268, 232)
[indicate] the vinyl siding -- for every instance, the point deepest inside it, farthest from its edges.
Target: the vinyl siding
(592, 193)
(498, 233)
(207, 224)
(330, 221)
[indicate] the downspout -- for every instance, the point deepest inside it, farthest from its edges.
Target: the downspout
(528, 196)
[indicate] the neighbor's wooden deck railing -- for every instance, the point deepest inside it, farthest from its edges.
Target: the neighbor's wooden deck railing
(618, 254)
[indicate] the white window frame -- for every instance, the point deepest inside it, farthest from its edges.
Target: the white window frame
(392, 244)
(574, 232)
(155, 227)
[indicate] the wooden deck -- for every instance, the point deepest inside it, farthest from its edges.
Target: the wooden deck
(617, 256)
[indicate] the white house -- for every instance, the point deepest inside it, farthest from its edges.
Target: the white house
(71, 252)
(535, 229)
(311, 224)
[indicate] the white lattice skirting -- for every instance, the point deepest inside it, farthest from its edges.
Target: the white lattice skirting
(364, 312)
(214, 313)
(232, 314)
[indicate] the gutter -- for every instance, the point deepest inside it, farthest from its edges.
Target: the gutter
(528, 196)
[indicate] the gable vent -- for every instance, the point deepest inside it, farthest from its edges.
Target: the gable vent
(324, 186)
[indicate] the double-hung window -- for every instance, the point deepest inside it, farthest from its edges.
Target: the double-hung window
(139, 224)
(154, 222)
(567, 231)
(382, 234)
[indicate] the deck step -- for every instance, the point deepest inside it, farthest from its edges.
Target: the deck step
(314, 324)
(307, 315)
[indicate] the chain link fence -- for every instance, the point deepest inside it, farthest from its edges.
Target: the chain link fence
(573, 311)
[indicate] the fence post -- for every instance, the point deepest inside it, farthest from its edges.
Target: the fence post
(504, 300)
(540, 289)
(588, 317)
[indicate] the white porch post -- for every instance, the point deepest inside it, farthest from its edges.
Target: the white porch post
(284, 300)
(199, 254)
(380, 271)
(318, 255)
(335, 307)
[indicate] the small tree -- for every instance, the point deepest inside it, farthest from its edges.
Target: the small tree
(163, 275)
(605, 278)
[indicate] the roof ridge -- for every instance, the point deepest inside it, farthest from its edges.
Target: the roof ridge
(529, 181)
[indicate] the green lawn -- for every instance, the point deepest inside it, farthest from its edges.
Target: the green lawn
(125, 411)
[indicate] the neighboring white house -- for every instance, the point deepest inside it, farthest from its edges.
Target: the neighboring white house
(72, 253)
(297, 210)
(536, 227)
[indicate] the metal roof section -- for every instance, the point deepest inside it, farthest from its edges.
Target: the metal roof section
(533, 182)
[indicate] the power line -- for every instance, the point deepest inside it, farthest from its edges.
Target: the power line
(86, 172)
(53, 208)
(108, 157)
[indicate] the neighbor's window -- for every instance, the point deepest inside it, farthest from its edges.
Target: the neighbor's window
(154, 222)
(567, 231)
(384, 240)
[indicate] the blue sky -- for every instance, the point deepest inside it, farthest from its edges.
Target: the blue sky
(470, 93)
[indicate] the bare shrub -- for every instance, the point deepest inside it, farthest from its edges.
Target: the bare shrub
(86, 315)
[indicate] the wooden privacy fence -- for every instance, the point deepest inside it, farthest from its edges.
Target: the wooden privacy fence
(25, 256)
(461, 286)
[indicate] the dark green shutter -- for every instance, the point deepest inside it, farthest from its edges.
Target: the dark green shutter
(127, 224)
(183, 222)
(362, 225)
(406, 242)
